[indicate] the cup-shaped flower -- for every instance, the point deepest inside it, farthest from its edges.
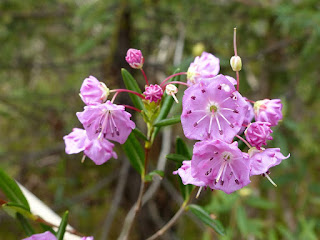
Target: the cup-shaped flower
(134, 58)
(268, 111)
(185, 173)
(212, 111)
(98, 150)
(261, 160)
(203, 67)
(153, 93)
(220, 165)
(93, 92)
(42, 236)
(107, 120)
(248, 114)
(258, 133)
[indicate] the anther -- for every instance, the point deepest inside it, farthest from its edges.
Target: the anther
(221, 132)
(222, 182)
(193, 97)
(235, 111)
(195, 124)
(237, 181)
(188, 112)
(203, 91)
(231, 125)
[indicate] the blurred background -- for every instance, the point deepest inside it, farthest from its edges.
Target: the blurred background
(47, 48)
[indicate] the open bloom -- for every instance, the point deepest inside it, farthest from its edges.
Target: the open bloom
(212, 111)
(98, 150)
(258, 133)
(93, 92)
(220, 165)
(42, 236)
(134, 58)
(268, 111)
(263, 159)
(203, 67)
(185, 173)
(153, 93)
(106, 120)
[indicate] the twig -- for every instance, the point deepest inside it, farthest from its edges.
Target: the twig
(117, 199)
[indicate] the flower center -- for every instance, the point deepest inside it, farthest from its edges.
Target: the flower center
(213, 108)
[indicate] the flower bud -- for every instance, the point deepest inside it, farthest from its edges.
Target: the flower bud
(153, 93)
(134, 58)
(93, 92)
(236, 63)
(268, 111)
(258, 133)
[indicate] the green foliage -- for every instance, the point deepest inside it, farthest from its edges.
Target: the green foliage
(62, 227)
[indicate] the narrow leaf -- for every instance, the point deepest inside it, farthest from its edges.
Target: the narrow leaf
(207, 219)
(167, 122)
(134, 152)
(63, 225)
(25, 225)
(12, 191)
(14, 208)
(132, 84)
(178, 158)
(182, 148)
(242, 221)
(140, 134)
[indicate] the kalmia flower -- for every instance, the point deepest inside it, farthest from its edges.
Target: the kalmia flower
(87, 238)
(134, 58)
(42, 236)
(258, 133)
(248, 114)
(263, 159)
(220, 165)
(106, 120)
(153, 93)
(93, 92)
(203, 67)
(268, 111)
(185, 173)
(212, 111)
(98, 150)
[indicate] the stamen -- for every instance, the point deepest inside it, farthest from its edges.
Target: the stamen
(83, 158)
(198, 193)
(200, 120)
(270, 180)
(211, 117)
(225, 100)
(222, 167)
(104, 124)
(220, 130)
(193, 97)
(188, 112)
(115, 126)
(203, 91)
(233, 173)
(230, 124)
(229, 109)
(175, 98)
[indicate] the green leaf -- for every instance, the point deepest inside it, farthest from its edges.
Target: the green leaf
(206, 218)
(131, 84)
(63, 226)
(260, 203)
(134, 152)
(12, 191)
(167, 122)
(139, 134)
(149, 176)
(25, 225)
(14, 208)
(182, 148)
(176, 157)
(242, 221)
(165, 106)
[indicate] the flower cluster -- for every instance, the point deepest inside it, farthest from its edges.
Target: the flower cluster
(103, 122)
(214, 112)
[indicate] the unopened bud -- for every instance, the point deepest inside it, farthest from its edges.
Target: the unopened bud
(134, 58)
(236, 63)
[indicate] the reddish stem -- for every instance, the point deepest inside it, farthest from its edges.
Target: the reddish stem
(238, 80)
(248, 100)
(114, 97)
(133, 108)
(145, 76)
(243, 140)
(129, 91)
(176, 74)
(176, 82)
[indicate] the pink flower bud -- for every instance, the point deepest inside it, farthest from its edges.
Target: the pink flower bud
(153, 93)
(134, 58)
(258, 133)
(93, 92)
(268, 111)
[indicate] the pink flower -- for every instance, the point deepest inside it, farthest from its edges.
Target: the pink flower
(42, 236)
(185, 173)
(87, 238)
(153, 93)
(106, 120)
(203, 67)
(263, 159)
(93, 92)
(212, 111)
(134, 58)
(98, 150)
(220, 165)
(248, 115)
(258, 133)
(268, 111)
